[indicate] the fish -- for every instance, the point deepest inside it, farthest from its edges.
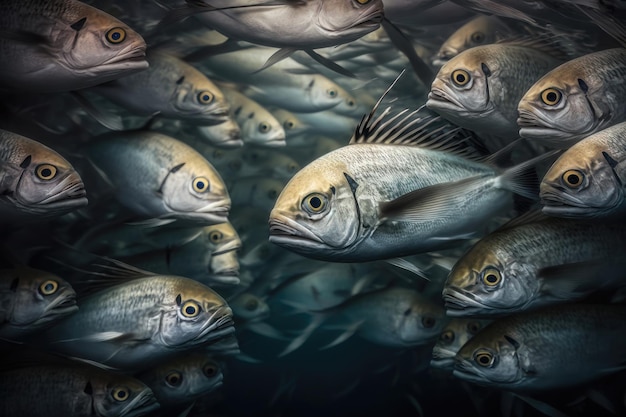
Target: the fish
(248, 307)
(140, 322)
(587, 181)
(64, 390)
(258, 192)
(35, 181)
(176, 181)
(224, 135)
(455, 334)
(170, 88)
(381, 198)
(64, 45)
(290, 122)
(184, 379)
(482, 30)
(533, 262)
(575, 100)
(555, 348)
(31, 300)
(329, 122)
(480, 88)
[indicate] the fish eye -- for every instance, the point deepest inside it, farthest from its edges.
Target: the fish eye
(447, 336)
(478, 37)
(473, 327)
(116, 35)
(264, 127)
(351, 103)
(491, 276)
(210, 369)
(314, 203)
(120, 394)
(200, 185)
(363, 1)
(288, 124)
(49, 287)
(204, 97)
(551, 96)
(331, 92)
(573, 178)
(460, 77)
(252, 304)
(484, 358)
(215, 236)
(428, 322)
(190, 309)
(174, 378)
(46, 172)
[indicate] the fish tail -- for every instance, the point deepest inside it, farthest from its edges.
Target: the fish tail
(522, 179)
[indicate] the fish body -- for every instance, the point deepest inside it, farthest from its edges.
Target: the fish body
(575, 100)
(480, 88)
(452, 338)
(587, 181)
(548, 349)
(132, 325)
(35, 181)
(517, 268)
(31, 300)
(155, 175)
(248, 307)
(59, 391)
(170, 87)
(63, 45)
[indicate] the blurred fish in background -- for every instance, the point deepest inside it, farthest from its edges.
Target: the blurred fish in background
(304, 208)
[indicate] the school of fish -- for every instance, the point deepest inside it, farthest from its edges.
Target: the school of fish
(312, 207)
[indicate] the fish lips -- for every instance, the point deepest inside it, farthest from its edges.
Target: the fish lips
(66, 195)
(142, 405)
(440, 101)
(213, 213)
(466, 372)
(560, 204)
(289, 233)
(460, 303)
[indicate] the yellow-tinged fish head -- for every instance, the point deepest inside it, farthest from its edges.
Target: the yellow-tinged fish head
(583, 182)
(419, 321)
(196, 315)
(317, 212)
(221, 238)
(347, 19)
(102, 46)
(556, 110)
(487, 280)
(249, 307)
(492, 358)
(454, 335)
(120, 395)
(224, 268)
(323, 93)
(479, 31)
(461, 88)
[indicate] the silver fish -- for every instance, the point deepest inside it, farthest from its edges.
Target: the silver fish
(548, 349)
(587, 181)
(248, 307)
(64, 45)
(576, 99)
(155, 175)
(456, 334)
(35, 181)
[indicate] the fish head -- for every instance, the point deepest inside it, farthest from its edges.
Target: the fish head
(47, 184)
(196, 316)
(455, 334)
(262, 130)
(487, 280)
(349, 19)
(584, 182)
(249, 307)
(478, 31)
(40, 298)
(556, 110)
(197, 98)
(101, 47)
(224, 268)
(220, 238)
(120, 395)
(225, 135)
(317, 213)
(492, 359)
(419, 321)
(322, 93)
(195, 191)
(461, 89)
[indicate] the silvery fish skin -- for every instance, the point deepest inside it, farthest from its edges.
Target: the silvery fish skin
(312, 24)
(31, 300)
(347, 186)
(158, 176)
(456, 334)
(480, 88)
(35, 180)
(184, 379)
(587, 181)
(172, 88)
(224, 135)
(248, 307)
(290, 122)
(425, 12)
(60, 391)
(63, 45)
(503, 272)
(482, 30)
(575, 100)
(547, 349)
(132, 325)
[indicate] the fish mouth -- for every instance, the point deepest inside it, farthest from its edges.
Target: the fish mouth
(564, 205)
(438, 100)
(215, 329)
(464, 371)
(226, 277)
(443, 363)
(372, 19)
(228, 247)
(213, 213)
(133, 57)
(287, 232)
(532, 126)
(144, 404)
(460, 303)
(65, 192)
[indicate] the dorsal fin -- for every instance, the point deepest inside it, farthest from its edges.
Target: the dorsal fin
(408, 128)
